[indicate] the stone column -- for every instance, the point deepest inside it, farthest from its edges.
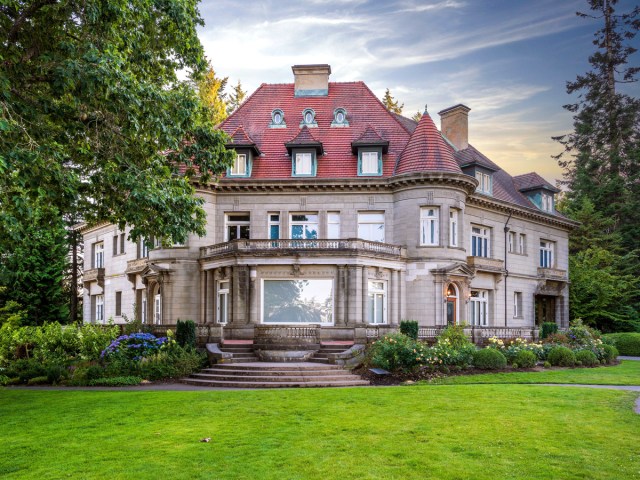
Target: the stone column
(254, 297)
(354, 295)
(203, 296)
(240, 294)
(402, 297)
(365, 293)
(341, 317)
(209, 314)
(394, 298)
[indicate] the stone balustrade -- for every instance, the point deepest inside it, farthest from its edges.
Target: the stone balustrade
(486, 264)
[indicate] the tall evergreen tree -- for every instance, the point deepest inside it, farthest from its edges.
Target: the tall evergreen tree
(212, 94)
(235, 98)
(391, 103)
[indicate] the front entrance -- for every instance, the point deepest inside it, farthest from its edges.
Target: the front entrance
(452, 305)
(545, 309)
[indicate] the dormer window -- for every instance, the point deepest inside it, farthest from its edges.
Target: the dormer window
(547, 202)
(241, 166)
(340, 118)
(304, 164)
(485, 184)
(277, 119)
(308, 118)
(369, 162)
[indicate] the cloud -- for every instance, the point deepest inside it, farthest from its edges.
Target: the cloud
(422, 7)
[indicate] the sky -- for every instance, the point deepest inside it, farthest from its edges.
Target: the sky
(508, 61)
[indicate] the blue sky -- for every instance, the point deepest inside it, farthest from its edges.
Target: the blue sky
(507, 60)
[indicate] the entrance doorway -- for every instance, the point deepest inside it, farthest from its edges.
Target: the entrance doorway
(545, 309)
(452, 304)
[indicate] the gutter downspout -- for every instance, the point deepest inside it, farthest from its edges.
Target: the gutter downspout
(506, 270)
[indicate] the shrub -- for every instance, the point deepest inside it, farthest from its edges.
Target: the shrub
(26, 369)
(556, 339)
(626, 343)
(580, 335)
(4, 380)
(442, 353)
(186, 333)
(525, 359)
(587, 358)
(562, 357)
(454, 335)
(56, 373)
(548, 328)
(115, 381)
(397, 353)
(409, 328)
(38, 381)
(546, 365)
(610, 353)
(174, 363)
(134, 346)
(489, 359)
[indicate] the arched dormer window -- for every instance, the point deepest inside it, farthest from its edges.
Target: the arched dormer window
(308, 118)
(339, 118)
(277, 119)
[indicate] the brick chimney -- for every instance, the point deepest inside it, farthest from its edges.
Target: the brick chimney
(311, 80)
(454, 124)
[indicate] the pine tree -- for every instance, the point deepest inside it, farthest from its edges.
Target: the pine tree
(236, 98)
(391, 103)
(212, 95)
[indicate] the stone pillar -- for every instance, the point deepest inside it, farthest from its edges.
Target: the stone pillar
(402, 287)
(240, 294)
(210, 290)
(354, 295)
(365, 293)
(341, 317)
(394, 298)
(203, 296)
(254, 313)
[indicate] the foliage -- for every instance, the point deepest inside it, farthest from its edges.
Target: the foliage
(548, 328)
(556, 339)
(610, 353)
(409, 328)
(43, 380)
(560, 356)
(136, 326)
(417, 116)
(626, 343)
(25, 369)
(4, 380)
(391, 103)
(11, 313)
(489, 359)
(397, 352)
(455, 335)
(211, 93)
(511, 348)
(587, 358)
(174, 363)
(135, 346)
(56, 373)
(186, 333)
(115, 381)
(525, 359)
(235, 99)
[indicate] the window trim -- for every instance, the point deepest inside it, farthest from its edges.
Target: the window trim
(481, 182)
(293, 223)
(118, 302)
(486, 246)
(517, 305)
(547, 254)
(223, 293)
(99, 312)
(274, 124)
(483, 304)
(274, 223)
(361, 172)
(454, 229)
(247, 165)
(431, 220)
(384, 226)
(336, 122)
(98, 254)
(371, 314)
(237, 223)
(313, 123)
(336, 221)
(294, 156)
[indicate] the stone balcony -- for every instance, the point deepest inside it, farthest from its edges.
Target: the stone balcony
(290, 247)
(136, 266)
(552, 274)
(94, 275)
(485, 264)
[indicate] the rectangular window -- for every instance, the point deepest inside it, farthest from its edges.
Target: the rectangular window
(429, 226)
(484, 183)
(370, 163)
(371, 226)
(297, 301)
(239, 166)
(333, 225)
(479, 304)
(122, 240)
(546, 254)
(303, 164)
(522, 244)
(115, 245)
(517, 304)
(223, 301)
(274, 226)
(157, 310)
(143, 248)
(143, 307)
(118, 304)
(304, 226)
(99, 308)
(98, 255)
(480, 241)
(511, 241)
(453, 227)
(377, 303)
(238, 225)
(547, 202)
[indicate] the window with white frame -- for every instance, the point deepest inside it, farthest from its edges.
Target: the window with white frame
(480, 241)
(240, 166)
(371, 226)
(484, 183)
(237, 226)
(143, 307)
(453, 227)
(511, 240)
(546, 254)
(223, 301)
(547, 202)
(98, 255)
(274, 226)
(99, 308)
(333, 225)
(429, 226)
(370, 163)
(479, 305)
(517, 304)
(304, 226)
(522, 243)
(303, 164)
(157, 310)
(377, 302)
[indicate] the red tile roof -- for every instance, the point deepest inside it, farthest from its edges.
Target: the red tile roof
(304, 138)
(427, 151)
(369, 138)
(532, 181)
(239, 138)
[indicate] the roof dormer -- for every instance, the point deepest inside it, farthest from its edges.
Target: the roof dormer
(539, 192)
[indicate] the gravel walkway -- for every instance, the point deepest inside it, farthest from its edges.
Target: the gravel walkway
(624, 357)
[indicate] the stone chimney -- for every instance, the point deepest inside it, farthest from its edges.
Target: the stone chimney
(311, 80)
(454, 124)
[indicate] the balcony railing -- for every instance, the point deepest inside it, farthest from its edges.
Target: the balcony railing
(284, 334)
(480, 334)
(137, 266)
(487, 264)
(290, 246)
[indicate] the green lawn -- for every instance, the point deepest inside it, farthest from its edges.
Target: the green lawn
(627, 373)
(420, 432)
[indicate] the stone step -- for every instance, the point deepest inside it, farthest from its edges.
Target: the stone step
(239, 360)
(318, 371)
(274, 378)
(244, 355)
(262, 384)
(318, 360)
(237, 348)
(278, 366)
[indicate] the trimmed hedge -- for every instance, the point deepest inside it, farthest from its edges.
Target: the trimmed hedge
(489, 359)
(525, 359)
(548, 328)
(610, 353)
(409, 328)
(186, 333)
(626, 343)
(561, 357)
(587, 358)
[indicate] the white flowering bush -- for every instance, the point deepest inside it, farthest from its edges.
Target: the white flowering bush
(511, 348)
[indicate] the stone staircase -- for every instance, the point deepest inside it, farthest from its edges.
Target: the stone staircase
(321, 356)
(256, 374)
(242, 352)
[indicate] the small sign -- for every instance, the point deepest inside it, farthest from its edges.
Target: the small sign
(379, 371)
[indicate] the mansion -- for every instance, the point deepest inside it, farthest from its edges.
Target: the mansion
(339, 219)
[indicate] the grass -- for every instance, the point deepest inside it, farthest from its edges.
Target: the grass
(627, 373)
(419, 432)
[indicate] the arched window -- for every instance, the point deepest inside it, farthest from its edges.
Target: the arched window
(277, 119)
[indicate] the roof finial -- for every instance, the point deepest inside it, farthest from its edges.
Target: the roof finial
(425, 110)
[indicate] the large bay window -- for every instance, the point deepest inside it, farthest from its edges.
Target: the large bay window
(480, 241)
(297, 301)
(377, 302)
(479, 305)
(429, 226)
(546, 254)
(238, 226)
(371, 226)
